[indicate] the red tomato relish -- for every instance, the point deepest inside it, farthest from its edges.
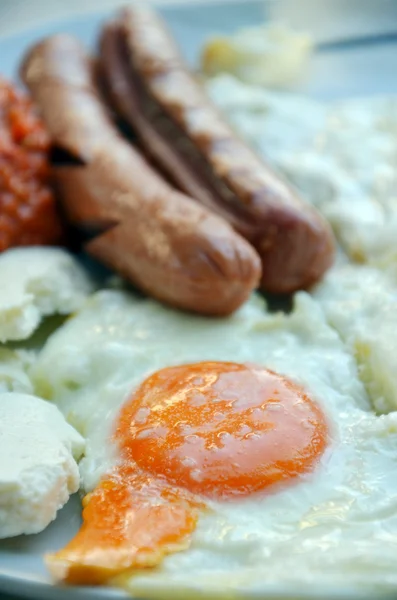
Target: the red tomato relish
(28, 214)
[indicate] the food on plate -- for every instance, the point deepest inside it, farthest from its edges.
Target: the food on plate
(28, 214)
(38, 469)
(271, 54)
(360, 302)
(151, 87)
(302, 531)
(242, 455)
(181, 438)
(341, 156)
(164, 242)
(36, 283)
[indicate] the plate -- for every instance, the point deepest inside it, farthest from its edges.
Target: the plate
(360, 62)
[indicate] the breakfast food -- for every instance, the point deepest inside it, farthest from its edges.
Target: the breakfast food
(158, 238)
(182, 131)
(360, 302)
(28, 214)
(94, 363)
(271, 54)
(320, 148)
(237, 456)
(82, 364)
(38, 469)
(36, 283)
(153, 498)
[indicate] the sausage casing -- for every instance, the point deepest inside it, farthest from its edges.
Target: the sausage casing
(160, 239)
(150, 87)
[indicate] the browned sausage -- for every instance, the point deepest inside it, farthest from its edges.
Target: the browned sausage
(160, 239)
(150, 86)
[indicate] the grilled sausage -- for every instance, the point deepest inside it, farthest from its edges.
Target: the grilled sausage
(160, 239)
(150, 86)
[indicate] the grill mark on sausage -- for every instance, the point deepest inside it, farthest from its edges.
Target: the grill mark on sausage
(150, 87)
(158, 238)
(130, 95)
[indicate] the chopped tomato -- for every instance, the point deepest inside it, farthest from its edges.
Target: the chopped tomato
(28, 214)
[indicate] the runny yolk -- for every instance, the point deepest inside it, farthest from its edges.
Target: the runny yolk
(213, 430)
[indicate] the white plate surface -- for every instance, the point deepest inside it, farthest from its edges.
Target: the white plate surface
(359, 58)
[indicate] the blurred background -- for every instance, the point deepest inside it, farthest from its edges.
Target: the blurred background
(330, 19)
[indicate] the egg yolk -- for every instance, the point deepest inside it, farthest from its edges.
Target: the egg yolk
(211, 430)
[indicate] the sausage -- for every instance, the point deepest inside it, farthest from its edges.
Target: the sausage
(160, 239)
(150, 86)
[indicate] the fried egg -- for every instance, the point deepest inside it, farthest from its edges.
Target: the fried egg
(360, 302)
(180, 475)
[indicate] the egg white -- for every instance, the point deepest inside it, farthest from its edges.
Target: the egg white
(336, 526)
(360, 302)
